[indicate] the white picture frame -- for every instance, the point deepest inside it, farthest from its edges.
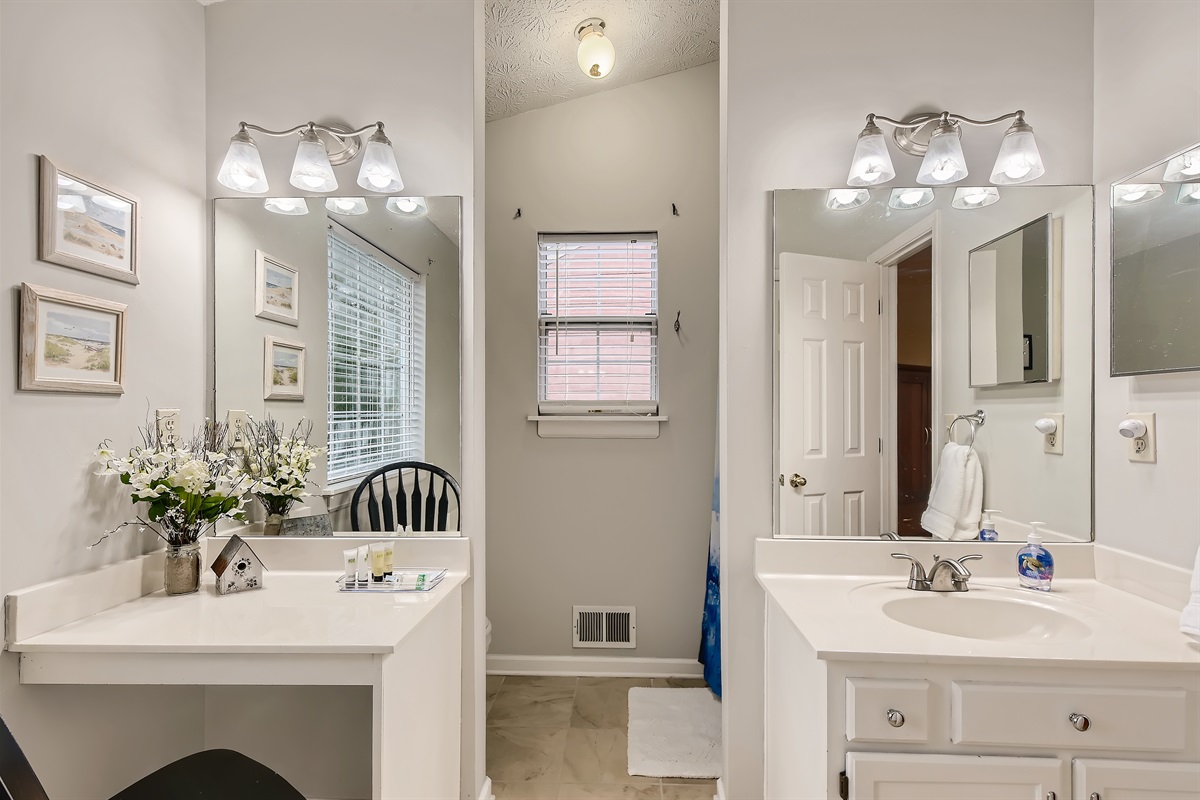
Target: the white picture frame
(70, 342)
(276, 290)
(283, 369)
(87, 225)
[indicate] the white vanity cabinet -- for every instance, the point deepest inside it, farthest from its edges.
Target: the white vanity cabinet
(869, 725)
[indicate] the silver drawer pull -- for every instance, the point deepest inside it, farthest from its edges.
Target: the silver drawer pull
(1080, 722)
(895, 718)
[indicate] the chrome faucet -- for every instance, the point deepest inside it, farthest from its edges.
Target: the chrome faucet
(946, 574)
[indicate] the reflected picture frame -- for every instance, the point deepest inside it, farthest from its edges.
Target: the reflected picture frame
(283, 369)
(70, 342)
(87, 225)
(276, 290)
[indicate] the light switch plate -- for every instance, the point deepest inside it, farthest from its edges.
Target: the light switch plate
(1145, 449)
(1053, 442)
(166, 422)
(236, 421)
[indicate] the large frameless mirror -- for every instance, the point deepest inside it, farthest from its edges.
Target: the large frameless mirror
(921, 326)
(343, 314)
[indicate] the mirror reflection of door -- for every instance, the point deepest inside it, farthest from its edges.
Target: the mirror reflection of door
(914, 406)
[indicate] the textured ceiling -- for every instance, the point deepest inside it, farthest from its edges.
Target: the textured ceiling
(531, 46)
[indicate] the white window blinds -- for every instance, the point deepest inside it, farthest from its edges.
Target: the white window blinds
(376, 358)
(598, 323)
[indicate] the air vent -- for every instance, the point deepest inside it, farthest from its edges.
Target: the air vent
(605, 626)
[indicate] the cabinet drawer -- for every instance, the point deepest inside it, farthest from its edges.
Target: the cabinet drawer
(869, 701)
(1116, 718)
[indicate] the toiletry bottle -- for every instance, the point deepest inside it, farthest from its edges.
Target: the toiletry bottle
(1035, 565)
(987, 531)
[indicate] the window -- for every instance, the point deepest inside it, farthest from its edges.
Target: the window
(376, 358)
(598, 323)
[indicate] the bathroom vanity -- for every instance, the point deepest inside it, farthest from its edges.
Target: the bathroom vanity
(874, 690)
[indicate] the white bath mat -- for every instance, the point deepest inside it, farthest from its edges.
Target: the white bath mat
(674, 733)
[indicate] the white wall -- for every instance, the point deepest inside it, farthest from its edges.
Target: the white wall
(115, 91)
(798, 81)
(590, 521)
(1150, 509)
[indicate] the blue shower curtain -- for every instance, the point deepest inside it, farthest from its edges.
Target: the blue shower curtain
(710, 641)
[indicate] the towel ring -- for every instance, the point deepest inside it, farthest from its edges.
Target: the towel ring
(974, 420)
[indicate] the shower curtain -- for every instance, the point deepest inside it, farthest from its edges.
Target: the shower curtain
(710, 640)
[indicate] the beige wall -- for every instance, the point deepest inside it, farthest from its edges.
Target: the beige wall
(797, 83)
(115, 91)
(1149, 509)
(914, 306)
(588, 521)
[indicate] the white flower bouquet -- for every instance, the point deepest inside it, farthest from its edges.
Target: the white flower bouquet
(276, 465)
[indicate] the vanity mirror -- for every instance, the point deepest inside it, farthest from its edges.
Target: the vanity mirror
(1156, 268)
(898, 310)
(343, 312)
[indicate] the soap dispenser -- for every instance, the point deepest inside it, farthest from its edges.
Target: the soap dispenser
(1035, 565)
(987, 533)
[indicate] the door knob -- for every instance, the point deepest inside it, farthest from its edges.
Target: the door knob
(797, 481)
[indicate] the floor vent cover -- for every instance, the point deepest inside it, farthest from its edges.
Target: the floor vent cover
(604, 626)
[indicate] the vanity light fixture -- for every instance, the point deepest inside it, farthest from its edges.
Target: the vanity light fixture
(72, 202)
(842, 199)
(904, 199)
(1132, 194)
(291, 206)
(312, 170)
(407, 206)
(972, 197)
(348, 206)
(1189, 194)
(596, 53)
(1183, 167)
(938, 138)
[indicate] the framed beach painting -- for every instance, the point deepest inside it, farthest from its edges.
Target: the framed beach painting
(276, 290)
(70, 342)
(87, 225)
(283, 370)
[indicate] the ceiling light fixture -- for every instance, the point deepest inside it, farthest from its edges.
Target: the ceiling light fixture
(842, 199)
(291, 206)
(242, 170)
(1189, 194)
(972, 197)
(1183, 167)
(938, 138)
(407, 206)
(348, 206)
(904, 199)
(1132, 194)
(596, 53)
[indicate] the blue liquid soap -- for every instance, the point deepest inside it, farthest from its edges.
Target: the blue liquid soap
(1035, 565)
(987, 531)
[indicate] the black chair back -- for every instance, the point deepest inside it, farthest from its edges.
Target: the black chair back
(427, 508)
(17, 779)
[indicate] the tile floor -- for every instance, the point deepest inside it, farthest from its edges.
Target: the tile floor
(566, 739)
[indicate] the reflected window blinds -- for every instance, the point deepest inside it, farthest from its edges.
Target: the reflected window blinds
(376, 358)
(598, 323)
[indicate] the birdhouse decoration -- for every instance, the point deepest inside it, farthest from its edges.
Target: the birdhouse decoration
(238, 568)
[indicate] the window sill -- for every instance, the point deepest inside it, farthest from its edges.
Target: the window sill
(597, 426)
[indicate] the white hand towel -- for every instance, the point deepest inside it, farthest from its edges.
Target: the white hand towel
(956, 499)
(1189, 621)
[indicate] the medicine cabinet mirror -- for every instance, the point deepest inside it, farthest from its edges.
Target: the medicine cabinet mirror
(899, 310)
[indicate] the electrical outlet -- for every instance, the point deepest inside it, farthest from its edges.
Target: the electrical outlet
(1053, 442)
(166, 422)
(236, 422)
(1144, 449)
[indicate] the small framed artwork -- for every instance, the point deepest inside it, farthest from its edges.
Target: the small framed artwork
(87, 225)
(1027, 348)
(283, 370)
(276, 290)
(70, 342)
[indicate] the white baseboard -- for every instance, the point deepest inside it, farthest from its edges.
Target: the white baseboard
(485, 791)
(595, 666)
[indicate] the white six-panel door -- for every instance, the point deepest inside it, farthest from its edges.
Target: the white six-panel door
(829, 396)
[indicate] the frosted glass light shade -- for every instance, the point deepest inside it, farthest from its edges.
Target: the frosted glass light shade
(1132, 194)
(910, 198)
(71, 202)
(596, 54)
(1183, 167)
(871, 164)
(291, 206)
(379, 171)
(1189, 194)
(348, 206)
(242, 170)
(311, 171)
(1019, 160)
(972, 197)
(842, 199)
(944, 160)
(407, 206)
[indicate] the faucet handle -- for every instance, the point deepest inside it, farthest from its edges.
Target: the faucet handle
(969, 557)
(916, 576)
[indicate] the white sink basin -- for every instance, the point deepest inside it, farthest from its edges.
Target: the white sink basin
(997, 615)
